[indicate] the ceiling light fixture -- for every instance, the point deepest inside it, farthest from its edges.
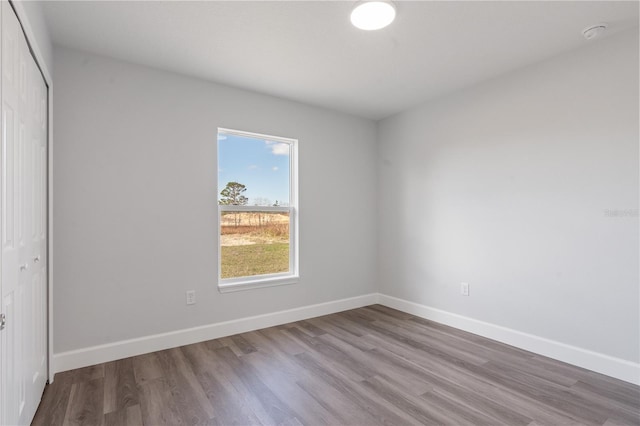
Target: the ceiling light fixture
(594, 31)
(373, 15)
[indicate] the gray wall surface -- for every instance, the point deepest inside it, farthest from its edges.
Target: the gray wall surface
(511, 186)
(34, 18)
(135, 201)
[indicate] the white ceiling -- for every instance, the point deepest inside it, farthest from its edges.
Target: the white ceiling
(309, 52)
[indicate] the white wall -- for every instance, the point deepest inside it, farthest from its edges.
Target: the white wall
(505, 186)
(32, 19)
(135, 188)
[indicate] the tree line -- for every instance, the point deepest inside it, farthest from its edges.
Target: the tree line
(233, 195)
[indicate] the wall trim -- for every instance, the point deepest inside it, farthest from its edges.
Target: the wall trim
(594, 361)
(126, 348)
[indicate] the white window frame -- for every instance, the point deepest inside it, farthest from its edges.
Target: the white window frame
(266, 280)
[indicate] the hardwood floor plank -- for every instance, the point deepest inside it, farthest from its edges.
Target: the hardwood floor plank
(146, 367)
(368, 366)
(454, 386)
(231, 378)
(227, 342)
(188, 395)
(385, 413)
(54, 402)
(88, 373)
(277, 410)
(465, 343)
(340, 360)
(359, 317)
(381, 366)
(495, 409)
(228, 403)
(229, 409)
(619, 410)
(457, 414)
(309, 328)
(275, 374)
(130, 416)
(344, 321)
(120, 388)
(85, 403)
(282, 341)
(605, 383)
(451, 371)
(618, 422)
(629, 397)
(157, 404)
(200, 358)
(428, 343)
(388, 311)
(333, 401)
(214, 344)
(479, 340)
(341, 333)
(242, 344)
(288, 368)
(404, 401)
(548, 393)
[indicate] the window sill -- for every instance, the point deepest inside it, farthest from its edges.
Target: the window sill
(251, 284)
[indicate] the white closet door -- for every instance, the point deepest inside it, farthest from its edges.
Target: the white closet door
(22, 227)
(14, 271)
(36, 252)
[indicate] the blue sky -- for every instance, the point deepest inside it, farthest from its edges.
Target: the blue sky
(261, 165)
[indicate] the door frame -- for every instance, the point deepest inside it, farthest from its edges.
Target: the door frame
(36, 51)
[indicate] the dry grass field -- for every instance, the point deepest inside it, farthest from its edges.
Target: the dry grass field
(254, 244)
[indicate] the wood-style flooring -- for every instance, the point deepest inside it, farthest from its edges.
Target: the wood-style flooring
(368, 366)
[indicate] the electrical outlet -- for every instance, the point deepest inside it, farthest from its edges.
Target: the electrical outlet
(191, 297)
(464, 289)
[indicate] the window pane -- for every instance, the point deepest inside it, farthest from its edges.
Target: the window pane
(253, 243)
(256, 171)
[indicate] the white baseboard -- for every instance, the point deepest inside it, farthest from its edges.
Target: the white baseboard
(126, 348)
(605, 364)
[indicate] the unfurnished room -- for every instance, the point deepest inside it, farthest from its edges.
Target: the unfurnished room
(365, 212)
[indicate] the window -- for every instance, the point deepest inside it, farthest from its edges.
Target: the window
(257, 210)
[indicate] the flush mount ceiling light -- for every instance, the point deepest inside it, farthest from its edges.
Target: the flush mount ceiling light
(594, 31)
(373, 15)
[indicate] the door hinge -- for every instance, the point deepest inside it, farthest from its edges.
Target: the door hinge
(3, 321)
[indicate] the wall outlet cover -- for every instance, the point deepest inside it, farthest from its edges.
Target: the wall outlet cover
(464, 289)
